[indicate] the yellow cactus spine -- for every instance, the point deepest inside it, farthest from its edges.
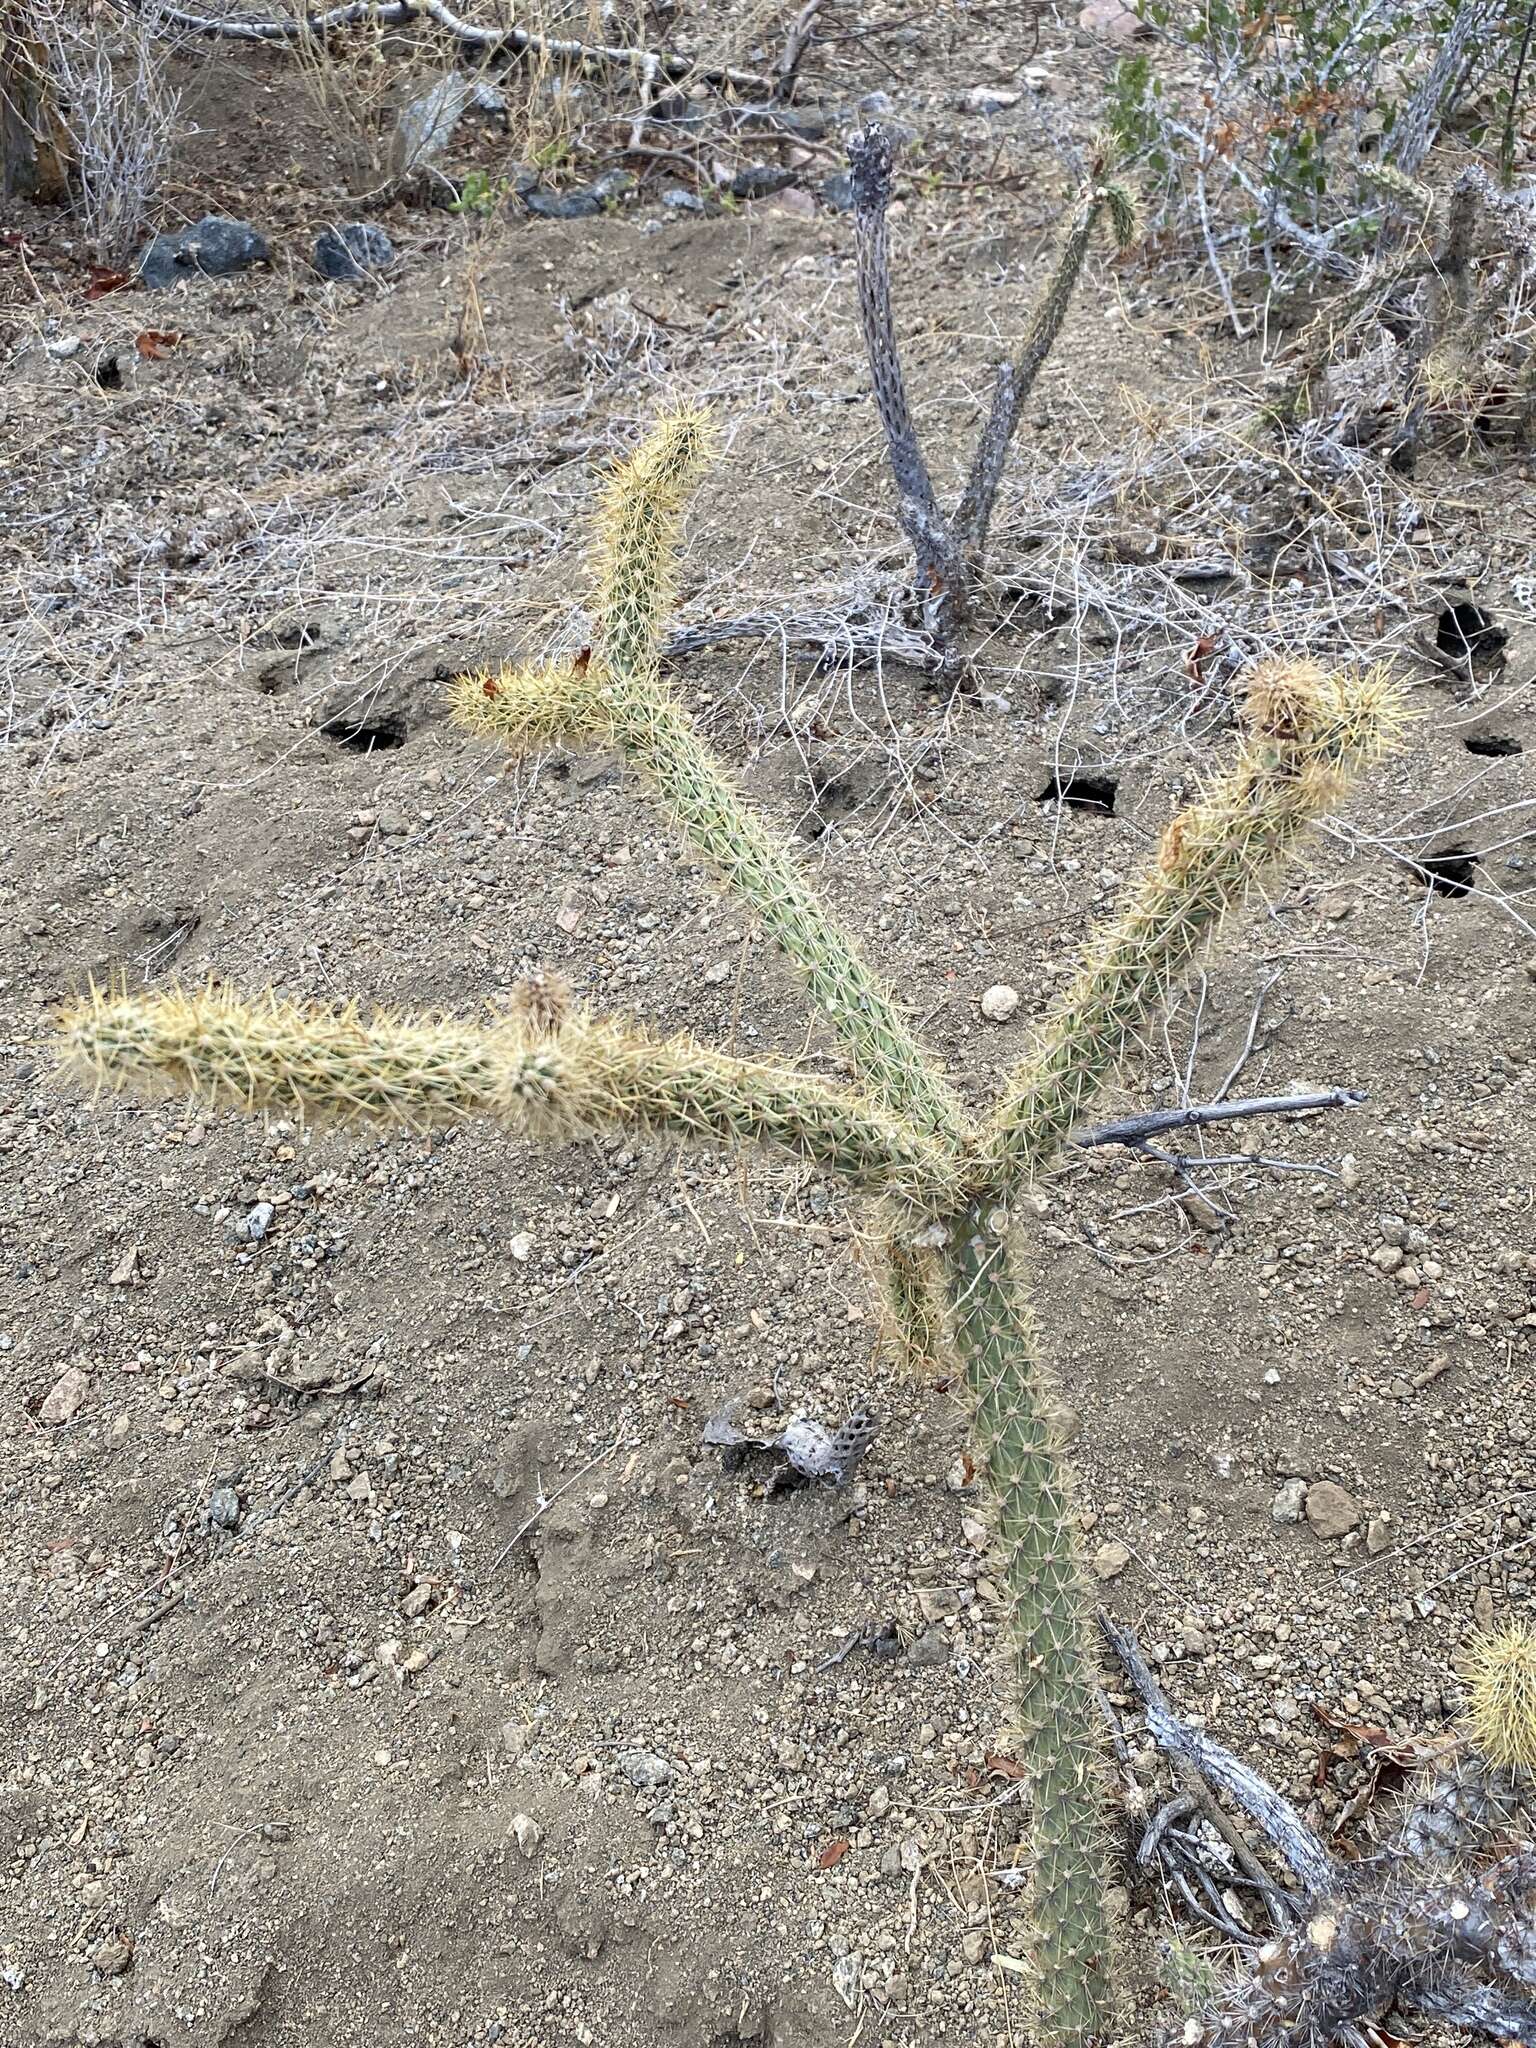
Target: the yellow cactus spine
(1499, 1672)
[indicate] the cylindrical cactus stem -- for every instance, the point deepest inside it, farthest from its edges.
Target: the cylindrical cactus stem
(333, 1065)
(652, 729)
(1016, 379)
(1305, 734)
(911, 1304)
(1499, 1670)
(580, 1074)
(994, 1334)
(529, 707)
(940, 567)
(639, 523)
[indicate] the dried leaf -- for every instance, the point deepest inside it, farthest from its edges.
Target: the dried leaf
(1006, 1767)
(154, 343)
(104, 281)
(833, 1853)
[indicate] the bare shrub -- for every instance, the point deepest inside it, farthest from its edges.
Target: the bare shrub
(119, 111)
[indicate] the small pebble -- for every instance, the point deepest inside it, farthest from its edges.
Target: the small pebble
(999, 1002)
(1331, 1512)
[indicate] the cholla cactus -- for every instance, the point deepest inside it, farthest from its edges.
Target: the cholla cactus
(946, 1184)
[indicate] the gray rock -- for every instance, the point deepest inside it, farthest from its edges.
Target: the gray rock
(253, 1227)
(211, 247)
(681, 200)
(222, 1510)
(644, 1769)
(581, 204)
(930, 1648)
(760, 181)
(1290, 1503)
(352, 250)
(837, 191)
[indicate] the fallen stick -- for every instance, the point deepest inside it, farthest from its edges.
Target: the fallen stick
(392, 13)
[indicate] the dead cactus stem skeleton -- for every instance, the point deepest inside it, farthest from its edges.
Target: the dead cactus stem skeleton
(949, 552)
(902, 1133)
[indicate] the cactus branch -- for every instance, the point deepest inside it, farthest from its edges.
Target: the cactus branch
(940, 570)
(621, 693)
(994, 1333)
(910, 1301)
(1016, 380)
(587, 1074)
(655, 732)
(1306, 732)
(639, 525)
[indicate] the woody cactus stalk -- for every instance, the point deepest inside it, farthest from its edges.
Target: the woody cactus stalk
(949, 552)
(1439, 1921)
(946, 1183)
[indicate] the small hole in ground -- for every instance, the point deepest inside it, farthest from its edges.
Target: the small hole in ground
(1084, 789)
(109, 374)
(1497, 746)
(1467, 633)
(364, 735)
(1451, 872)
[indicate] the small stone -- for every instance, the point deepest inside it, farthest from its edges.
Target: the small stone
(394, 824)
(991, 99)
(938, 1601)
(521, 1247)
(1331, 1512)
(254, 1225)
(1290, 1503)
(1110, 1560)
(1112, 20)
(223, 1509)
(837, 191)
(681, 200)
(930, 1649)
(353, 250)
(416, 1602)
(716, 972)
(974, 1945)
(644, 1769)
(1387, 1257)
(211, 247)
(112, 1956)
(584, 202)
(999, 1002)
(527, 1832)
(1378, 1536)
(1482, 1610)
(65, 1398)
(760, 181)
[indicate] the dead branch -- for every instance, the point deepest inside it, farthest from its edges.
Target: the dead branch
(802, 34)
(392, 13)
(1136, 1130)
(1399, 1929)
(865, 642)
